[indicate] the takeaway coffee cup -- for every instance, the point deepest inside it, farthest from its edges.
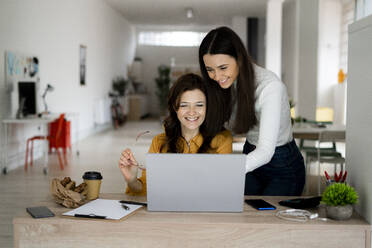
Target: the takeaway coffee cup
(93, 180)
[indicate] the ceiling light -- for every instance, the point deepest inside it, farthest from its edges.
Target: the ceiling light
(189, 13)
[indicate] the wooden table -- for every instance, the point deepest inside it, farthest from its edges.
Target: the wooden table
(302, 131)
(311, 132)
(251, 228)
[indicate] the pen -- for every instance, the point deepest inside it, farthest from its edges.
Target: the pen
(133, 202)
(125, 206)
(90, 216)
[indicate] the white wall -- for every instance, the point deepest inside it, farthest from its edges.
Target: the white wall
(52, 30)
(273, 55)
(311, 56)
(359, 114)
(239, 25)
(308, 58)
(329, 51)
(289, 49)
(300, 54)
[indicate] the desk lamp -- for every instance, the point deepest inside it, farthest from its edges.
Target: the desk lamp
(47, 89)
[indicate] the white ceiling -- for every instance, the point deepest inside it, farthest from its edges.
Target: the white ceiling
(173, 12)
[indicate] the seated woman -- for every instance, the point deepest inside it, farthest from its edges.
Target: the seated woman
(185, 131)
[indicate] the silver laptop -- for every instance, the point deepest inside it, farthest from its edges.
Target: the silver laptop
(195, 182)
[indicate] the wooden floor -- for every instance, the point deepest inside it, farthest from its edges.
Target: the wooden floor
(19, 188)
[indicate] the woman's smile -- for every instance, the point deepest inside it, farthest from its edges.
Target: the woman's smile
(221, 68)
(191, 118)
(191, 110)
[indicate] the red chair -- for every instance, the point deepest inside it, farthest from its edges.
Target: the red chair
(55, 139)
(64, 140)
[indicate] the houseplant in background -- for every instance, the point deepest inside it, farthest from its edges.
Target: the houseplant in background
(162, 87)
(119, 87)
(339, 199)
(119, 84)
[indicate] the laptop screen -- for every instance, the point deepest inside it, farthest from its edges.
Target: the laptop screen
(195, 182)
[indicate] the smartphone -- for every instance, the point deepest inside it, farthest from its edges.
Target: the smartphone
(40, 212)
(260, 204)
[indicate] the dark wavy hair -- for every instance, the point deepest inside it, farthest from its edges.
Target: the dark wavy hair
(223, 40)
(172, 125)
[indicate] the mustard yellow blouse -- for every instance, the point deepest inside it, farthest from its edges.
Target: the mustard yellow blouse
(221, 143)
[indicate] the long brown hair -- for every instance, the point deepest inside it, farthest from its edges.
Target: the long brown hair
(172, 124)
(223, 40)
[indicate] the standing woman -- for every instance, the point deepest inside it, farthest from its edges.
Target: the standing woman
(254, 101)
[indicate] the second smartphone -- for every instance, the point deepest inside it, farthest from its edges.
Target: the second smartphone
(260, 204)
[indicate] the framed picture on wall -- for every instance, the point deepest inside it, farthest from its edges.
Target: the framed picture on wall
(83, 64)
(22, 82)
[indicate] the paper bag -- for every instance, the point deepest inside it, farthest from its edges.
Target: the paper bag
(66, 197)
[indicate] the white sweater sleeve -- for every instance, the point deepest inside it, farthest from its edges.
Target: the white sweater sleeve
(269, 102)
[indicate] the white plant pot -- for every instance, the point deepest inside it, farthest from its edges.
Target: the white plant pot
(339, 212)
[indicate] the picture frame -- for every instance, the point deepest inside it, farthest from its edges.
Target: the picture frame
(82, 64)
(21, 67)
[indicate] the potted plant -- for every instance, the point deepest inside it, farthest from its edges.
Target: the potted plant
(120, 84)
(162, 84)
(339, 199)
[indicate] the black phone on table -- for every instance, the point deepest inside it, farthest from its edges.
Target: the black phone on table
(260, 204)
(40, 212)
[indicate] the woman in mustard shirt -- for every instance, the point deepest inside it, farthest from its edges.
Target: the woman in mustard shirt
(185, 131)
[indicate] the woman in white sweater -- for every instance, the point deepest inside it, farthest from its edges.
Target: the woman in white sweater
(254, 101)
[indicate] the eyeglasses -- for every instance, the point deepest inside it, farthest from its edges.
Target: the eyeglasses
(141, 134)
(142, 167)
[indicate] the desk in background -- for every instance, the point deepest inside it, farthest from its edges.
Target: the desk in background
(310, 132)
(328, 133)
(251, 228)
(43, 123)
(303, 131)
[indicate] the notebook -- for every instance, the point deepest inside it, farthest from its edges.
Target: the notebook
(103, 209)
(195, 182)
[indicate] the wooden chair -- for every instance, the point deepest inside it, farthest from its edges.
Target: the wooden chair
(50, 138)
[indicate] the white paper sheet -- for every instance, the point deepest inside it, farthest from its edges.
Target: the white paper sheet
(111, 209)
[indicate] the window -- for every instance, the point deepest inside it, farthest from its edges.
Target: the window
(348, 9)
(173, 38)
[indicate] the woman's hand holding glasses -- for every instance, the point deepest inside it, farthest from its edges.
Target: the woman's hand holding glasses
(128, 165)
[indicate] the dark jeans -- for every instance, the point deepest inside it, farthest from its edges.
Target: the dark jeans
(284, 175)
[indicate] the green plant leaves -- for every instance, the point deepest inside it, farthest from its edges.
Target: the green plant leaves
(339, 194)
(162, 84)
(119, 84)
